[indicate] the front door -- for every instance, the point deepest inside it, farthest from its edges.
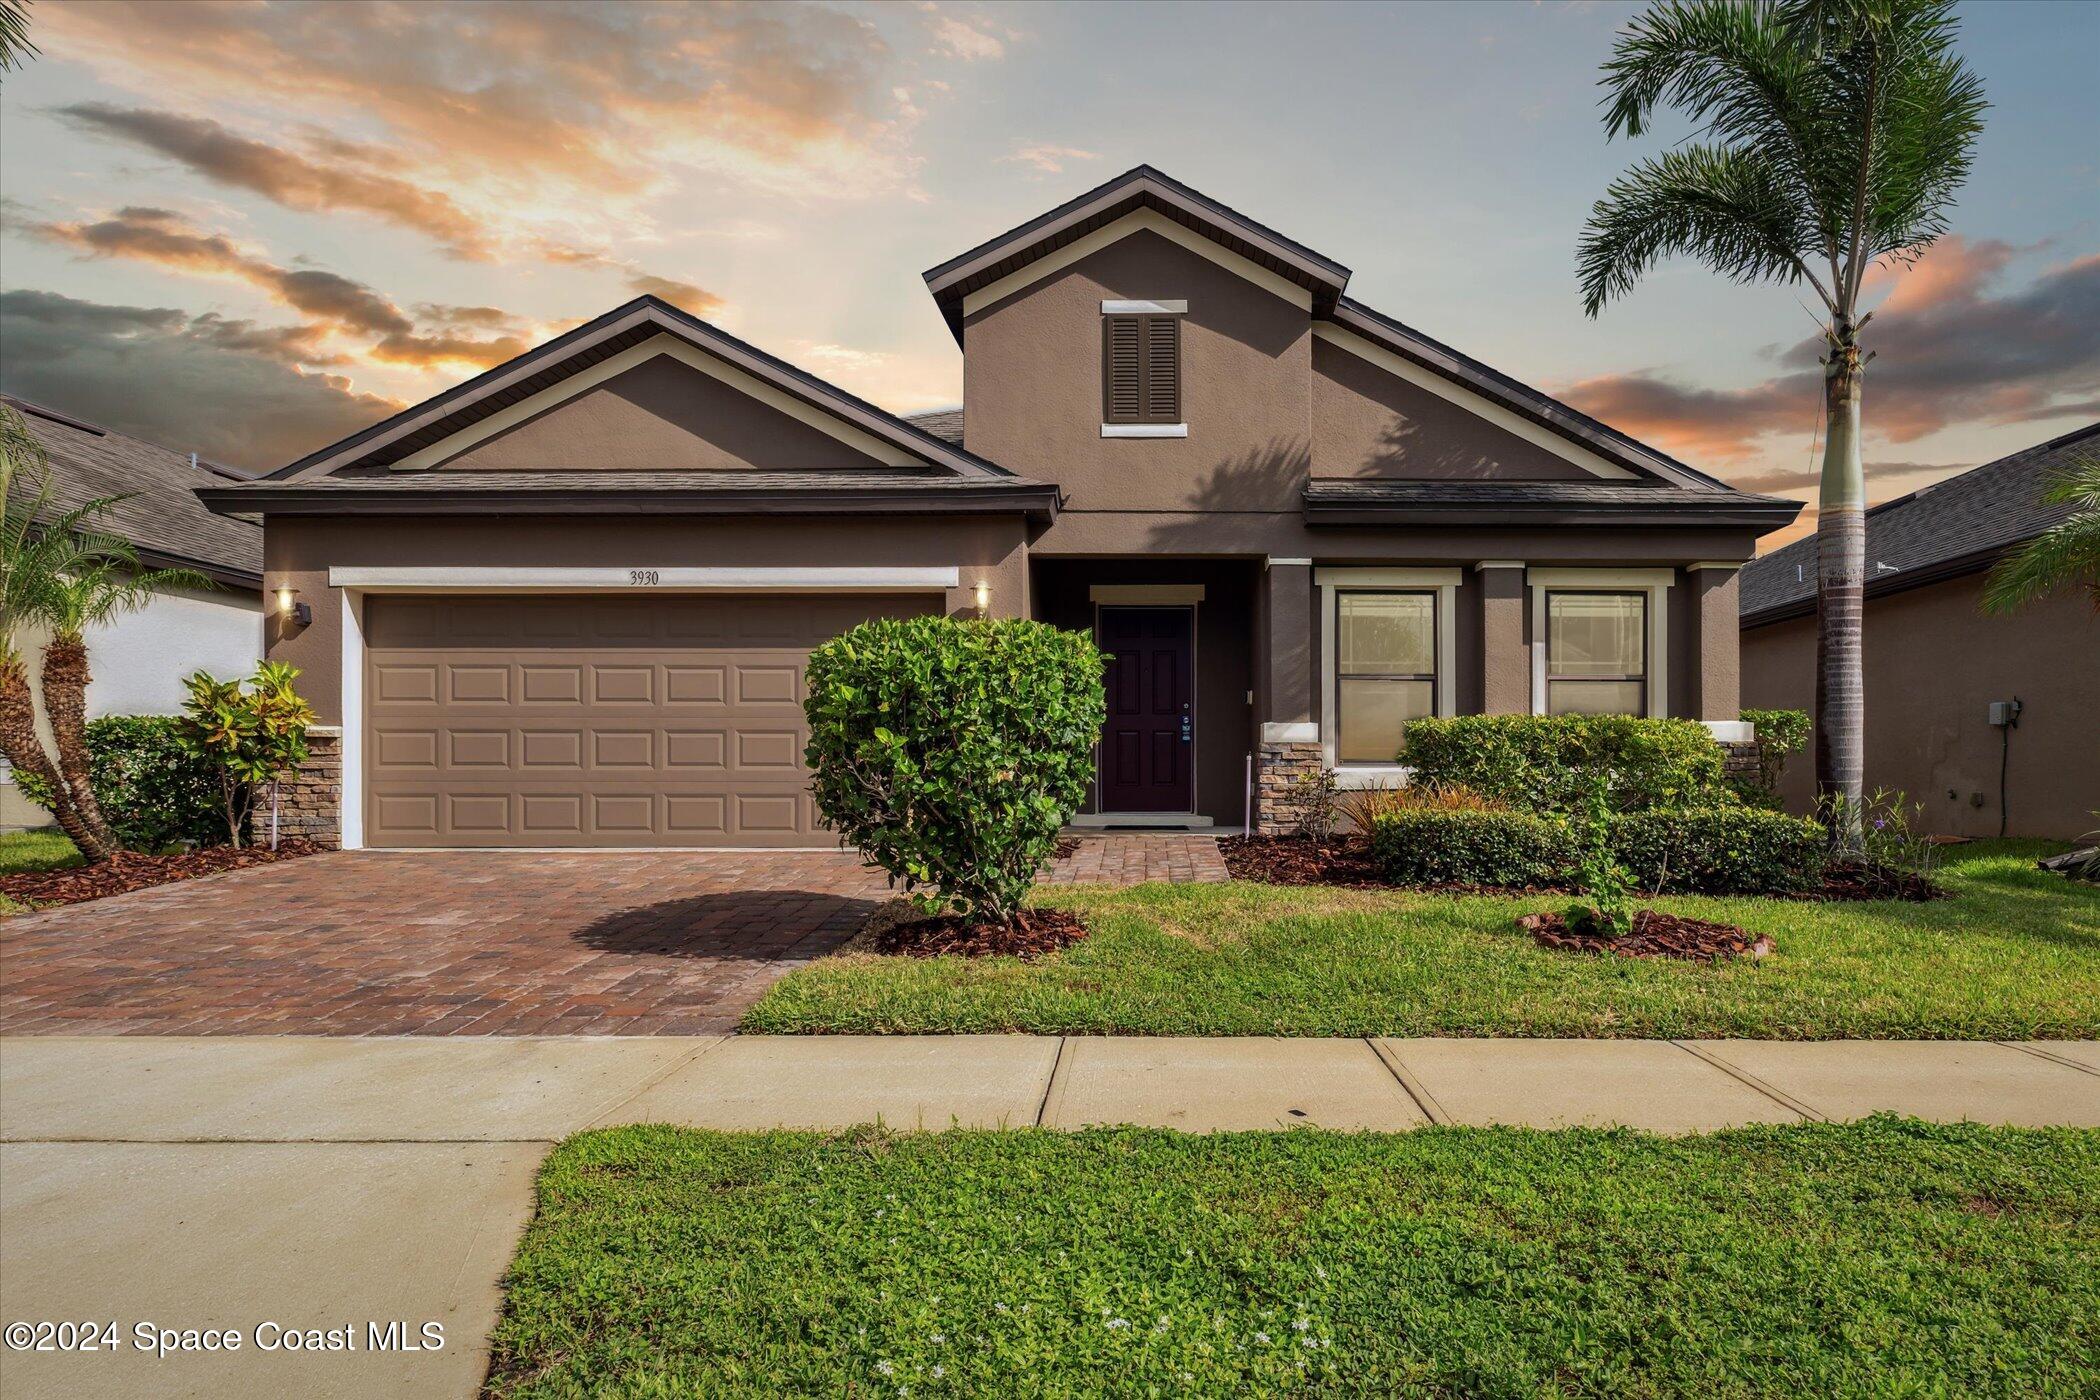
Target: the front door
(1149, 742)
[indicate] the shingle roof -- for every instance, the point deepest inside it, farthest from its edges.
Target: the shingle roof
(1952, 527)
(160, 515)
(1335, 500)
(944, 423)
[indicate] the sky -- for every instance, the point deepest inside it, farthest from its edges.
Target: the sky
(249, 228)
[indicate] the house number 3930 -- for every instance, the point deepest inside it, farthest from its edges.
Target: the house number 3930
(642, 576)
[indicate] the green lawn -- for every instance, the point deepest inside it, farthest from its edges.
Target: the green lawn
(22, 851)
(2015, 954)
(1883, 1258)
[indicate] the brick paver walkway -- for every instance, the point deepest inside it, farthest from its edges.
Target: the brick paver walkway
(436, 943)
(1132, 858)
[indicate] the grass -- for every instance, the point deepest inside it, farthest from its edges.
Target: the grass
(25, 851)
(2016, 954)
(1887, 1257)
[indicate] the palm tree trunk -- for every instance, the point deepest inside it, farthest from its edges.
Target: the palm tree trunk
(1841, 566)
(65, 704)
(18, 739)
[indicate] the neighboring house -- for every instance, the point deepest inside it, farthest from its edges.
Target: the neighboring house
(568, 601)
(139, 661)
(1936, 662)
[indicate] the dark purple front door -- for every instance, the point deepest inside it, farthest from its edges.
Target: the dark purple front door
(1150, 738)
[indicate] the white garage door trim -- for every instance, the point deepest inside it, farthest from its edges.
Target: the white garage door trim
(355, 582)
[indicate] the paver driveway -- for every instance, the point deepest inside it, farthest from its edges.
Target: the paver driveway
(436, 943)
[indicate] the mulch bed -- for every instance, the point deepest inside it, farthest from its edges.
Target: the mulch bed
(1344, 861)
(1866, 880)
(129, 871)
(1655, 935)
(1034, 933)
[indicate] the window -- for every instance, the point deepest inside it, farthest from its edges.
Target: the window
(1385, 670)
(1596, 653)
(1141, 370)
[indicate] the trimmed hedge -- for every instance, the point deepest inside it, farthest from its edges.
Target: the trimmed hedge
(1541, 763)
(1426, 847)
(1722, 850)
(152, 793)
(951, 753)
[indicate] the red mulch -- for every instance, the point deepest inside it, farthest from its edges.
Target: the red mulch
(1866, 880)
(129, 871)
(1655, 935)
(1034, 933)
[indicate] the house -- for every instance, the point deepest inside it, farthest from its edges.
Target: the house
(568, 601)
(1936, 663)
(139, 660)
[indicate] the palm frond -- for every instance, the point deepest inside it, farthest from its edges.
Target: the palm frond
(1730, 208)
(15, 46)
(2066, 553)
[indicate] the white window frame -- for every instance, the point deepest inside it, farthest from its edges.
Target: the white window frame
(1655, 583)
(1333, 582)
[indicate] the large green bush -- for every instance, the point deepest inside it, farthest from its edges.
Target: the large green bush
(153, 794)
(1435, 847)
(1548, 764)
(1778, 733)
(951, 753)
(1720, 850)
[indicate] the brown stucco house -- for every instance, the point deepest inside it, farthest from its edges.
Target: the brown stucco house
(568, 601)
(1936, 663)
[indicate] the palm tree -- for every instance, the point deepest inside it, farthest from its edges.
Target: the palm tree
(59, 574)
(15, 48)
(2067, 552)
(1832, 136)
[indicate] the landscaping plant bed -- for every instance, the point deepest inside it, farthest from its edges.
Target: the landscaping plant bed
(1033, 933)
(1655, 935)
(1343, 862)
(129, 871)
(1868, 880)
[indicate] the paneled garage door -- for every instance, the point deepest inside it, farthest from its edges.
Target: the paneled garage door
(589, 720)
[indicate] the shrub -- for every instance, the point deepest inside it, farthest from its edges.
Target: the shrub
(1604, 907)
(1544, 764)
(951, 753)
(251, 737)
(1363, 806)
(1778, 733)
(1720, 850)
(1425, 846)
(153, 794)
(1314, 797)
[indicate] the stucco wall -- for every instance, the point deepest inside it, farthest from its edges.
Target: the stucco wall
(138, 662)
(1934, 661)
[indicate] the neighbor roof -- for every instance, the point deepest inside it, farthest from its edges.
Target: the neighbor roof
(624, 326)
(1388, 501)
(1953, 527)
(158, 514)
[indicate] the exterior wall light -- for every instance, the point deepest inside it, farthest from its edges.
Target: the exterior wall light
(295, 613)
(984, 598)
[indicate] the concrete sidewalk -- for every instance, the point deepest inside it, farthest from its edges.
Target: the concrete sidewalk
(323, 1182)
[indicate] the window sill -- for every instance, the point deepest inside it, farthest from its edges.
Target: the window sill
(1352, 777)
(1144, 430)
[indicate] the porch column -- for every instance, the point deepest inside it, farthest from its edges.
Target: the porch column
(1505, 687)
(1288, 667)
(1717, 668)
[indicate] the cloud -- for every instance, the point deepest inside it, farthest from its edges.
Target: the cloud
(543, 115)
(1949, 351)
(336, 304)
(970, 38)
(1050, 160)
(287, 177)
(187, 383)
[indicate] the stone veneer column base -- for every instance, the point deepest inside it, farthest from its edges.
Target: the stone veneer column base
(310, 801)
(1276, 767)
(1740, 762)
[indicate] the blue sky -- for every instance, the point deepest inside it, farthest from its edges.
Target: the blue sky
(250, 230)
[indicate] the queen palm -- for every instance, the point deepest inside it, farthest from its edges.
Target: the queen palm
(2068, 552)
(60, 575)
(1831, 136)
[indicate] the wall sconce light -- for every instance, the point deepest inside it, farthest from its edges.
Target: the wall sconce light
(984, 598)
(295, 613)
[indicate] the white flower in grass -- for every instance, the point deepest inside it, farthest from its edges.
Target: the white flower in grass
(1262, 1337)
(885, 1368)
(1302, 1325)
(1117, 1324)
(939, 1340)
(939, 1371)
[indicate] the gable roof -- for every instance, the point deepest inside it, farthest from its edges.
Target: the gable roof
(622, 328)
(1953, 527)
(1140, 187)
(944, 423)
(159, 515)
(1327, 281)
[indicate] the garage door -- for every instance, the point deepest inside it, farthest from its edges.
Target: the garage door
(594, 721)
